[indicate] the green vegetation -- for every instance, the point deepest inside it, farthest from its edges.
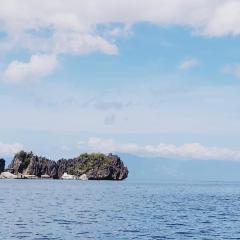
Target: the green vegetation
(88, 162)
(21, 155)
(71, 171)
(24, 158)
(84, 163)
(95, 156)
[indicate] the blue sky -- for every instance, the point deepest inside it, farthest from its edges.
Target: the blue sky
(162, 81)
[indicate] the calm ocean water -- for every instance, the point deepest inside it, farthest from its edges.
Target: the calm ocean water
(42, 209)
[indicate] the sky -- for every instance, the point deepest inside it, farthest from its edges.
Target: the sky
(153, 78)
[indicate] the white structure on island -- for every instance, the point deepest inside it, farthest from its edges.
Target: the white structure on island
(83, 177)
(45, 176)
(66, 176)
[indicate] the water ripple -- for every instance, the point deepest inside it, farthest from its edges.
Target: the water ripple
(58, 210)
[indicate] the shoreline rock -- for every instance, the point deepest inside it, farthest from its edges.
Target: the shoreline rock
(95, 166)
(7, 175)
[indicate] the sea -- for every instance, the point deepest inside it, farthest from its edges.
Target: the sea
(62, 210)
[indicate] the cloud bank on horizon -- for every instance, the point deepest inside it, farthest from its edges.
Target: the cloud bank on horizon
(9, 149)
(190, 151)
(143, 67)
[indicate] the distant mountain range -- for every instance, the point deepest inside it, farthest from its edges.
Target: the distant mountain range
(149, 168)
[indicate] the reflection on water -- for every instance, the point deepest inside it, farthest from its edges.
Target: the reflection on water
(47, 209)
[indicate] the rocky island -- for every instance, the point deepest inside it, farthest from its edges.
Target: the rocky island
(2, 165)
(94, 166)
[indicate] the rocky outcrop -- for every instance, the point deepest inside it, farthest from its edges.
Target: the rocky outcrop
(30, 164)
(2, 165)
(7, 175)
(95, 166)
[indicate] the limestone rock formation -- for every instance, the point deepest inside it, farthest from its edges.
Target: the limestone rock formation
(30, 164)
(95, 166)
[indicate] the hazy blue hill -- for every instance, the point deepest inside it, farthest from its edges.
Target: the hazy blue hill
(147, 168)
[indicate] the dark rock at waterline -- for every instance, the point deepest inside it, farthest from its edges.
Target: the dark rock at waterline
(96, 166)
(2, 165)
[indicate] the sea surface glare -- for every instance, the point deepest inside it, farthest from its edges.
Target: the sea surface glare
(48, 209)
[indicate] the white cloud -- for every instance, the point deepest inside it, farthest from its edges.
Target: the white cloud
(120, 31)
(189, 63)
(39, 66)
(214, 18)
(225, 19)
(110, 105)
(108, 145)
(185, 151)
(8, 149)
(77, 43)
(110, 119)
(233, 69)
(66, 148)
(75, 27)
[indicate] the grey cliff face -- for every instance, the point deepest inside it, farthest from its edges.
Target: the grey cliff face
(114, 171)
(29, 164)
(2, 165)
(95, 166)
